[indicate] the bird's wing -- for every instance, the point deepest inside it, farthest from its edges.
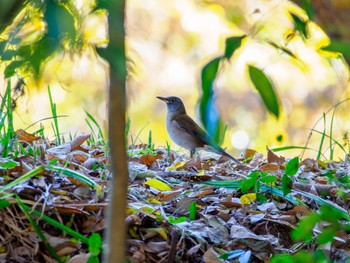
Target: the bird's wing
(186, 124)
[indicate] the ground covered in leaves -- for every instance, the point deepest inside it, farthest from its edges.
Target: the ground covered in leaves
(203, 209)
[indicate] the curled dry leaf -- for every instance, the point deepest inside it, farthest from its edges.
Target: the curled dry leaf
(79, 140)
(148, 160)
(22, 135)
(273, 158)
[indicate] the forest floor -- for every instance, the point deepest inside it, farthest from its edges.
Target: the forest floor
(180, 209)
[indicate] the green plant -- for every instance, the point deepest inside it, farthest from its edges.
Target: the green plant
(291, 169)
(54, 116)
(95, 246)
(327, 214)
(95, 138)
(331, 218)
(317, 256)
(7, 132)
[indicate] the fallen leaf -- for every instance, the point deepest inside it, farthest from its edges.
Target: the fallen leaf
(175, 166)
(79, 140)
(248, 198)
(22, 135)
(157, 184)
(147, 160)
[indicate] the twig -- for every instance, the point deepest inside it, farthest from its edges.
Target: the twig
(173, 244)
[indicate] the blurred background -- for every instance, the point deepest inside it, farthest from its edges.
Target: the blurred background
(169, 42)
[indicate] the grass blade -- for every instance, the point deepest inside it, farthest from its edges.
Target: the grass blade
(54, 115)
(37, 229)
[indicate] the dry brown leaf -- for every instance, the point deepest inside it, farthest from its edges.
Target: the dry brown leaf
(249, 154)
(299, 210)
(273, 158)
(80, 258)
(269, 168)
(211, 256)
(79, 140)
(76, 182)
(200, 178)
(171, 196)
(22, 135)
(67, 209)
(205, 192)
(148, 160)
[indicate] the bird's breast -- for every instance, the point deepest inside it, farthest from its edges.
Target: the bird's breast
(180, 136)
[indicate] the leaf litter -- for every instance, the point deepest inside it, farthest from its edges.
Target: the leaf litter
(202, 209)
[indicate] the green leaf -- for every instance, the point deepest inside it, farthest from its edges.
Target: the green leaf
(8, 164)
(208, 76)
(327, 235)
(308, 7)
(8, 55)
(292, 166)
(267, 178)
(304, 230)
(173, 220)
(193, 210)
(95, 244)
(261, 198)
(249, 182)
(266, 90)
(93, 259)
(287, 184)
(4, 203)
(232, 43)
(340, 46)
(10, 69)
(300, 25)
(209, 112)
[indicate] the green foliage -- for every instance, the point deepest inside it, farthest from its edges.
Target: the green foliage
(54, 116)
(4, 203)
(254, 181)
(265, 88)
(99, 137)
(249, 182)
(176, 220)
(37, 229)
(56, 26)
(291, 169)
(340, 46)
(209, 112)
(95, 245)
(287, 184)
(150, 143)
(317, 256)
(193, 210)
(328, 214)
(7, 132)
(292, 166)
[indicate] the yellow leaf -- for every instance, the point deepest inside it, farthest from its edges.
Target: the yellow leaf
(175, 166)
(201, 173)
(154, 201)
(248, 198)
(159, 185)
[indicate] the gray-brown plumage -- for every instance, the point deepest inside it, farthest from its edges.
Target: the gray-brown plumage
(185, 132)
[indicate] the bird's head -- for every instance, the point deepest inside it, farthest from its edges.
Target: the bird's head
(174, 104)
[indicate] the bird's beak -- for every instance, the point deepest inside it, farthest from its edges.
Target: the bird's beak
(163, 99)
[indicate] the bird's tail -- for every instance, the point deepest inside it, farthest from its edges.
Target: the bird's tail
(221, 151)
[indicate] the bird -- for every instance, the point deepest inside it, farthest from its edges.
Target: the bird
(185, 132)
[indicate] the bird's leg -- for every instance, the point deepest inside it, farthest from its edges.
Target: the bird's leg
(192, 151)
